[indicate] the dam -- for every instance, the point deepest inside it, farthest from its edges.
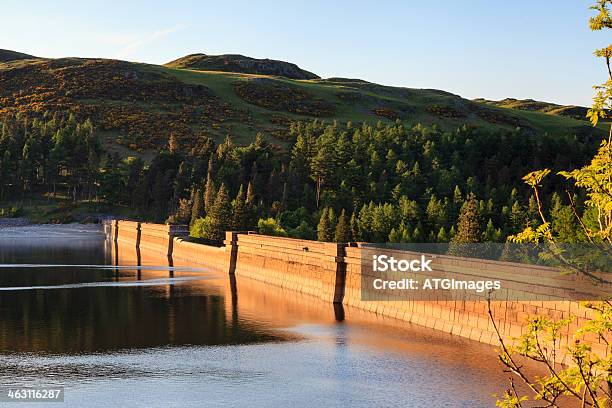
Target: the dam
(336, 274)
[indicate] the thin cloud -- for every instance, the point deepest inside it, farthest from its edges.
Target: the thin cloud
(131, 43)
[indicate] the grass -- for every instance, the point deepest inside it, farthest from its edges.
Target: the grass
(222, 84)
(243, 120)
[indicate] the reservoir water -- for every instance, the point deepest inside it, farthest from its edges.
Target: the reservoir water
(116, 327)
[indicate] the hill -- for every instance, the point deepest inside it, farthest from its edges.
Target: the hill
(8, 55)
(136, 107)
(571, 111)
(241, 64)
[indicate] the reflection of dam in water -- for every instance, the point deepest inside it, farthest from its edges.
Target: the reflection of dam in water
(250, 300)
(93, 316)
(339, 274)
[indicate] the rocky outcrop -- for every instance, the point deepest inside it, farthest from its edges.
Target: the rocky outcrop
(241, 64)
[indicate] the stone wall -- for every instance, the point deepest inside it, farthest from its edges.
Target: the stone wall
(214, 257)
(159, 237)
(527, 290)
(308, 267)
(128, 232)
(333, 273)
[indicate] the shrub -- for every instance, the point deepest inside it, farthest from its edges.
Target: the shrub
(269, 226)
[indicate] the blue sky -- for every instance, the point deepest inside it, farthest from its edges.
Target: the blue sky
(476, 48)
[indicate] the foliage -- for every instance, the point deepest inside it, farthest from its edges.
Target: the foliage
(11, 212)
(587, 379)
(325, 229)
(398, 183)
(139, 106)
(342, 231)
(280, 97)
(269, 226)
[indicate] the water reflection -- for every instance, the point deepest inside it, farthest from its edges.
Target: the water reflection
(160, 332)
(61, 302)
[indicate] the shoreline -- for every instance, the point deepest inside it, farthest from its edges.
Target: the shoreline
(14, 222)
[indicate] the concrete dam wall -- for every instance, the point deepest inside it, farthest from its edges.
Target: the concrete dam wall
(336, 274)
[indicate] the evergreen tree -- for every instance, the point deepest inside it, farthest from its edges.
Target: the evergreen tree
(565, 226)
(518, 218)
(399, 235)
(417, 235)
(323, 165)
(468, 230)
(218, 219)
(343, 229)
(354, 227)
(468, 226)
(325, 231)
(333, 220)
(239, 212)
(250, 195)
(491, 234)
(250, 209)
(442, 237)
(197, 208)
(457, 197)
(209, 189)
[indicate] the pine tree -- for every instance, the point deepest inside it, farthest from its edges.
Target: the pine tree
(323, 164)
(333, 220)
(250, 208)
(417, 236)
(399, 235)
(197, 208)
(209, 189)
(220, 216)
(518, 218)
(468, 229)
(457, 197)
(354, 227)
(490, 234)
(564, 223)
(324, 229)
(343, 229)
(182, 214)
(250, 195)
(394, 236)
(442, 237)
(468, 226)
(239, 212)
(533, 217)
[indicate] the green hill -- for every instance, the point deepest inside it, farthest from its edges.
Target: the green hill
(241, 64)
(137, 106)
(571, 111)
(8, 55)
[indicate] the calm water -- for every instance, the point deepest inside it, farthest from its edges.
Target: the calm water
(119, 328)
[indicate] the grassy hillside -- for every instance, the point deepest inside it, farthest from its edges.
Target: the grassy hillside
(137, 106)
(241, 64)
(8, 55)
(571, 111)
